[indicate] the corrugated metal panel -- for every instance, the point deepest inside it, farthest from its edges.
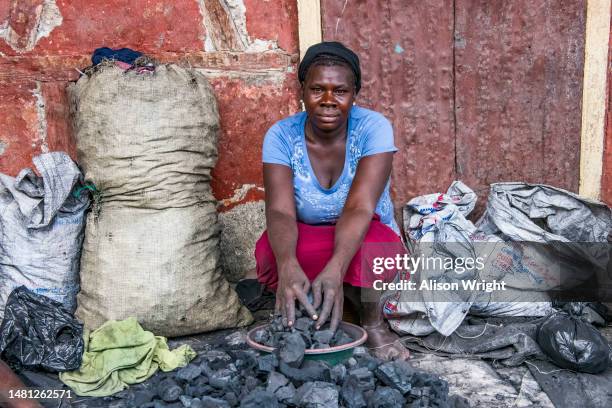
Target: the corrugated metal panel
(606, 177)
(518, 67)
(406, 56)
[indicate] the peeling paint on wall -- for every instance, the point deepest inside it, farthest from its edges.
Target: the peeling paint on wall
(251, 77)
(226, 30)
(42, 118)
(45, 17)
(240, 194)
(237, 12)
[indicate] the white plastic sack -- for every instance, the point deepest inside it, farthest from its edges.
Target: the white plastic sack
(563, 217)
(41, 230)
(436, 227)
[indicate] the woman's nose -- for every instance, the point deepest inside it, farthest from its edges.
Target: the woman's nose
(328, 98)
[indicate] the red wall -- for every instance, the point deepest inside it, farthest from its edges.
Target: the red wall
(249, 49)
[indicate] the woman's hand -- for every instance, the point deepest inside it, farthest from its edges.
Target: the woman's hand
(292, 284)
(327, 289)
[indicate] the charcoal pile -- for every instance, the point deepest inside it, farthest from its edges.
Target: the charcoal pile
(233, 375)
(276, 333)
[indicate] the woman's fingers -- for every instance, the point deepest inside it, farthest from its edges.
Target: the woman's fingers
(328, 303)
(290, 314)
(316, 294)
(306, 286)
(337, 313)
(290, 307)
(303, 299)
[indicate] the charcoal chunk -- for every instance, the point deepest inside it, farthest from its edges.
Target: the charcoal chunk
(236, 339)
(152, 404)
(206, 370)
(364, 377)
(221, 379)
(169, 390)
(291, 350)
(368, 361)
(304, 324)
(196, 403)
(276, 325)
(125, 394)
(316, 394)
(319, 346)
(351, 393)
(189, 373)
(396, 374)
(311, 370)
(260, 399)
(210, 402)
(340, 338)
(345, 339)
(286, 394)
(307, 339)
(337, 374)
(216, 359)
(323, 336)
(141, 398)
(261, 336)
(186, 401)
(246, 359)
(231, 398)
(386, 397)
(267, 363)
(276, 381)
(250, 383)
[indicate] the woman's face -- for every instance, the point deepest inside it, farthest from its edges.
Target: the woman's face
(328, 93)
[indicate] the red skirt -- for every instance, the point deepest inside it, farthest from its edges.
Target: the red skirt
(315, 246)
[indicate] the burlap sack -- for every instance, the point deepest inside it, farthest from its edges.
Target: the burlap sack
(148, 143)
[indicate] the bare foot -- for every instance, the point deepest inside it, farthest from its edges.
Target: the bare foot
(384, 343)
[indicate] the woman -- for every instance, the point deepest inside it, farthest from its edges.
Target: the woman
(326, 177)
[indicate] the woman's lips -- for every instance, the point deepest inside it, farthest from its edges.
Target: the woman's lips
(327, 118)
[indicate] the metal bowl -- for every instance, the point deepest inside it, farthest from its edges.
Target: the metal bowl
(332, 355)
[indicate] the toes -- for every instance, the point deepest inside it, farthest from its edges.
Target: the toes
(404, 353)
(400, 352)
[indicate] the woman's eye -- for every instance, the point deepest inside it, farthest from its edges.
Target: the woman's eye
(340, 91)
(316, 90)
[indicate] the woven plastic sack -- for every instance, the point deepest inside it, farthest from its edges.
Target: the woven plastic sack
(41, 230)
(542, 214)
(148, 144)
(436, 227)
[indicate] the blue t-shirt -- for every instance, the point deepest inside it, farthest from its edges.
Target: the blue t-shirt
(368, 133)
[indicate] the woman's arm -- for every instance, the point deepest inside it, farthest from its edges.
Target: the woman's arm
(369, 183)
(10, 382)
(282, 230)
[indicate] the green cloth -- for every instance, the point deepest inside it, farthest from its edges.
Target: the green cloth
(121, 353)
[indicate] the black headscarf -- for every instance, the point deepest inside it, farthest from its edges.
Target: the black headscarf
(331, 48)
